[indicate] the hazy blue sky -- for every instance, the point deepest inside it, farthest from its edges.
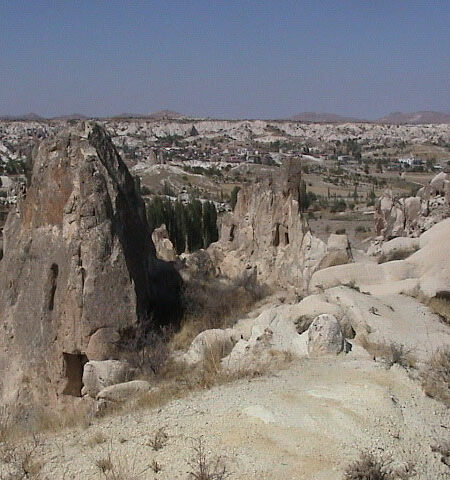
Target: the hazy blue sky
(224, 58)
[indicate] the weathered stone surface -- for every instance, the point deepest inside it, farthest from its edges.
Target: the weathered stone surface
(325, 336)
(121, 392)
(210, 342)
(409, 217)
(98, 375)
(266, 233)
(336, 257)
(79, 267)
(164, 247)
(426, 271)
(398, 248)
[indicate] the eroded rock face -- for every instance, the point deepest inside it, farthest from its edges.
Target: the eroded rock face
(79, 267)
(409, 217)
(267, 234)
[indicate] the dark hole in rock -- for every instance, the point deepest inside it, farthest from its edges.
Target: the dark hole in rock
(73, 372)
(276, 236)
(286, 238)
(232, 232)
(52, 280)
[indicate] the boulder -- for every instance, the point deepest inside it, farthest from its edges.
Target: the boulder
(100, 374)
(103, 344)
(325, 336)
(214, 341)
(122, 392)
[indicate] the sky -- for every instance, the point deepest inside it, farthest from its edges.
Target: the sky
(224, 58)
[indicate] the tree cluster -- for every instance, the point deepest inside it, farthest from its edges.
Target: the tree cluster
(190, 226)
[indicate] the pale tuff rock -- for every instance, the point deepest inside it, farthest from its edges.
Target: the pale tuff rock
(210, 343)
(266, 233)
(79, 268)
(164, 247)
(409, 217)
(325, 336)
(98, 375)
(426, 271)
(122, 392)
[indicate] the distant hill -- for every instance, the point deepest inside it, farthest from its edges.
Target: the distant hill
(323, 118)
(166, 115)
(160, 115)
(73, 116)
(416, 117)
(27, 117)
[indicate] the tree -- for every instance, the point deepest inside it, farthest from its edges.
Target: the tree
(303, 198)
(233, 198)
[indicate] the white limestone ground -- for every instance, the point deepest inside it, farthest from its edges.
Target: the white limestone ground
(306, 422)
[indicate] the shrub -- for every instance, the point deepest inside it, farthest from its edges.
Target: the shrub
(370, 467)
(367, 467)
(203, 468)
(435, 376)
(340, 231)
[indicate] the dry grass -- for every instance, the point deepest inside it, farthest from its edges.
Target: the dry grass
(177, 380)
(440, 304)
(113, 466)
(215, 303)
(390, 353)
(159, 439)
(435, 376)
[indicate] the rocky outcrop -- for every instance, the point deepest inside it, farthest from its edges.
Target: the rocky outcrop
(266, 233)
(427, 271)
(79, 273)
(409, 217)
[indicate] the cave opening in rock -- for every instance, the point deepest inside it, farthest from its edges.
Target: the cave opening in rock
(232, 233)
(73, 373)
(286, 238)
(52, 282)
(276, 236)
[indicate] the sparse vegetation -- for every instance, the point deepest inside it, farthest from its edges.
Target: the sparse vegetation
(159, 439)
(204, 468)
(371, 467)
(440, 305)
(435, 376)
(392, 353)
(215, 303)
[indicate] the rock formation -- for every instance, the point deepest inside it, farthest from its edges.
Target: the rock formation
(409, 217)
(79, 271)
(266, 233)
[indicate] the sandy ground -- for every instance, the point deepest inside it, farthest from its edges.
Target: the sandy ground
(306, 422)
